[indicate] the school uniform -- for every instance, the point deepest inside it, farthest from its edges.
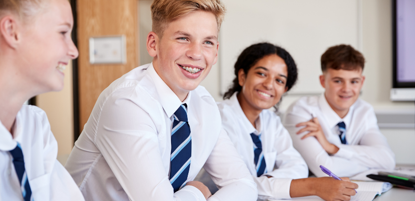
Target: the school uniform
(282, 161)
(125, 149)
(41, 176)
(361, 145)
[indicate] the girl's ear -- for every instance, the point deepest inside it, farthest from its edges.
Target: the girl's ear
(9, 30)
(241, 77)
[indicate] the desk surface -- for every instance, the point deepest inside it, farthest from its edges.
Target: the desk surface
(397, 194)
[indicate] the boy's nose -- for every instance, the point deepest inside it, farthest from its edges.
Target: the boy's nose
(194, 52)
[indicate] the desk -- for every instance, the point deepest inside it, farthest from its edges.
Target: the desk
(397, 194)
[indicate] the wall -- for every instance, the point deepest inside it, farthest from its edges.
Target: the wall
(59, 109)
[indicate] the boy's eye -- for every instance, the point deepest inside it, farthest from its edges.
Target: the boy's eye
(209, 43)
(182, 38)
(355, 82)
(337, 81)
(63, 32)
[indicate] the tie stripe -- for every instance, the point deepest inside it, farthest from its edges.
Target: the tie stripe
(18, 162)
(181, 149)
(342, 132)
(259, 159)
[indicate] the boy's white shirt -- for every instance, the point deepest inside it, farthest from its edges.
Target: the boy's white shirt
(123, 152)
(277, 148)
(48, 179)
(367, 148)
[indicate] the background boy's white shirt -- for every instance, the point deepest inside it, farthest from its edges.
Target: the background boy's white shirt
(123, 152)
(367, 148)
(48, 179)
(276, 144)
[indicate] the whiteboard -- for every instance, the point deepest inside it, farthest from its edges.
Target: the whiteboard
(304, 28)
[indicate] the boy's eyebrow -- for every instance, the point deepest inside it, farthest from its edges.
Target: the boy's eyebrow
(66, 24)
(186, 34)
(182, 33)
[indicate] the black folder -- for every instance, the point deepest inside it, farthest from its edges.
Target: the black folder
(392, 180)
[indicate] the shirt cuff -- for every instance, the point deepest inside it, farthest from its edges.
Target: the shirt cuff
(279, 188)
(344, 152)
(190, 193)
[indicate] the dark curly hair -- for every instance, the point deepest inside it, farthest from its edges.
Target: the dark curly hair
(252, 54)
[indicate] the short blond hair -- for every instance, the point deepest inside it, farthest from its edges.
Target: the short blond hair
(166, 11)
(25, 9)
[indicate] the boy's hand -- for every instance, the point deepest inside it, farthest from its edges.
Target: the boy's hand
(314, 129)
(331, 189)
(202, 188)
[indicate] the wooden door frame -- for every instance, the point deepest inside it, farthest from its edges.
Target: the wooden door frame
(75, 86)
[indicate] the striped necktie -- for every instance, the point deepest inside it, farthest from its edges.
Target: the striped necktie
(181, 148)
(342, 132)
(259, 159)
(18, 162)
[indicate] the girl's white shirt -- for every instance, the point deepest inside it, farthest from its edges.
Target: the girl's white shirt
(48, 179)
(284, 163)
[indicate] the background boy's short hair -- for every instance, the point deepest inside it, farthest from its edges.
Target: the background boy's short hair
(343, 57)
(165, 11)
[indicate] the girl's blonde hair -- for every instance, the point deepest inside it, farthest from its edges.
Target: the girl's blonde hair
(165, 11)
(25, 9)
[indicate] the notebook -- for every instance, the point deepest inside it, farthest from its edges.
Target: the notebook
(366, 192)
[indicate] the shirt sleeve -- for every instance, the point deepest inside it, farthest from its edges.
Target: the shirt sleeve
(56, 183)
(127, 139)
(315, 155)
(229, 173)
(290, 165)
(373, 150)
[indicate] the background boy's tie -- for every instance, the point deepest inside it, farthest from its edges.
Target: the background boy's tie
(342, 132)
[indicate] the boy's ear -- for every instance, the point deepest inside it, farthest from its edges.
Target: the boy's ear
(9, 31)
(152, 40)
(216, 56)
(363, 79)
(322, 80)
(241, 77)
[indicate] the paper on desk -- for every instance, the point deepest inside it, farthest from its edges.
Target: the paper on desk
(362, 176)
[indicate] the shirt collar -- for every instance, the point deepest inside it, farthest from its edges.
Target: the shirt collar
(7, 142)
(246, 124)
(168, 99)
(331, 117)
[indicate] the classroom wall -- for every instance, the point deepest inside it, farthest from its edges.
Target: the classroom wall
(59, 109)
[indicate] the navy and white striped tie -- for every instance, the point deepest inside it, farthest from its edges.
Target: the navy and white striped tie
(181, 148)
(259, 159)
(342, 132)
(18, 162)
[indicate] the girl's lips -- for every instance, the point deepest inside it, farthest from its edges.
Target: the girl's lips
(264, 95)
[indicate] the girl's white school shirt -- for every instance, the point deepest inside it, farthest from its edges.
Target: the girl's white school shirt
(48, 179)
(124, 150)
(283, 162)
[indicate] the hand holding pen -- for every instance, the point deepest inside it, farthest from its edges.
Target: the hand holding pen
(330, 174)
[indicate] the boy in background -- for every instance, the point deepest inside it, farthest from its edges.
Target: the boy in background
(337, 129)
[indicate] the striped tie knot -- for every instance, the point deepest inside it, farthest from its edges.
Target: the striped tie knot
(18, 162)
(181, 113)
(259, 159)
(342, 132)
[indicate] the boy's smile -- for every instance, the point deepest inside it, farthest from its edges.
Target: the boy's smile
(185, 52)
